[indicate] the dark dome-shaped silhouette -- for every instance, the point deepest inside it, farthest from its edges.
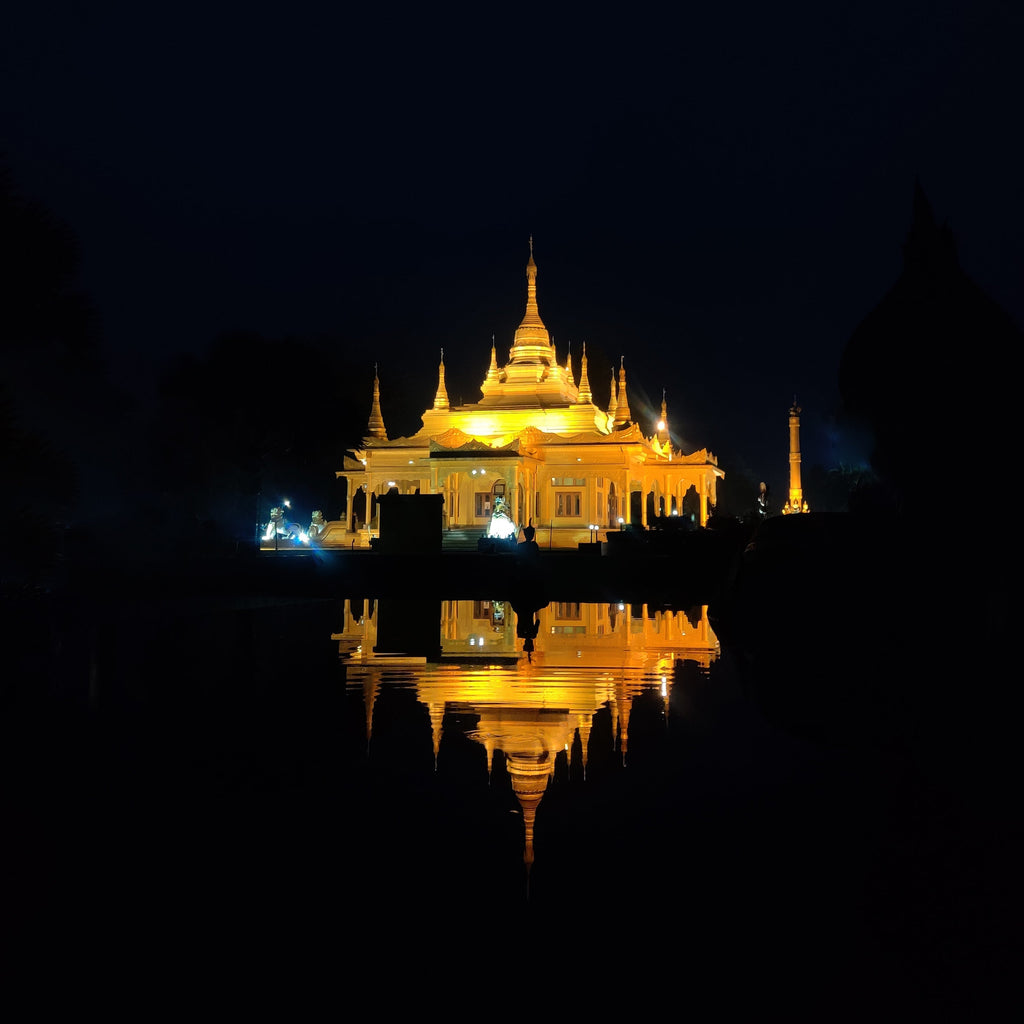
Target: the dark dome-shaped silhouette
(927, 370)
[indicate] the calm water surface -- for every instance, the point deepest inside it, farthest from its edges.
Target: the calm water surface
(616, 767)
(513, 785)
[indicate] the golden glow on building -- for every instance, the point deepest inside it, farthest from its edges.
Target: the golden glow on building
(537, 439)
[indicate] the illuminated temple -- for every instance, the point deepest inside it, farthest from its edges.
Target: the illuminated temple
(537, 441)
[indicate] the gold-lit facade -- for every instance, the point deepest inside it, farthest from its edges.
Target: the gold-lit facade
(537, 440)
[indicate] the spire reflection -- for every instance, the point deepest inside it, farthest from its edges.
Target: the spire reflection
(522, 678)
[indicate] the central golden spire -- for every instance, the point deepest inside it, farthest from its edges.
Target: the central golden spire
(532, 342)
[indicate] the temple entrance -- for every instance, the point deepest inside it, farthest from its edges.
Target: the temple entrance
(691, 505)
(362, 508)
(613, 506)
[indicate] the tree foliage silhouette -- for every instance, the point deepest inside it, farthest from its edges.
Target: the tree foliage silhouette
(252, 417)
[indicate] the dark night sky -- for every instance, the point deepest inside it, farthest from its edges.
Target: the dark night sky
(720, 198)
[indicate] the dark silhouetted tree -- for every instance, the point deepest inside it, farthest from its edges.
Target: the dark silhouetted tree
(251, 421)
(53, 397)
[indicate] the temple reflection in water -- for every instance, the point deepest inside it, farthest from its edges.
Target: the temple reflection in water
(530, 678)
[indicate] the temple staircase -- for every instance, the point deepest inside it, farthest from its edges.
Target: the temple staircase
(462, 538)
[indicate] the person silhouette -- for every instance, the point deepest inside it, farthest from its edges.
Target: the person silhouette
(762, 501)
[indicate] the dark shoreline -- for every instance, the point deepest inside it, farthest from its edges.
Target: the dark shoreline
(694, 573)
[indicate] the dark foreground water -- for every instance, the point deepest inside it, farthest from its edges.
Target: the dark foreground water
(212, 786)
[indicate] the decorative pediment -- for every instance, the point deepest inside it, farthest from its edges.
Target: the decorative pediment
(533, 437)
(698, 458)
(451, 438)
(456, 441)
(394, 442)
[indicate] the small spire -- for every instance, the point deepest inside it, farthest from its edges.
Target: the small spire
(613, 401)
(622, 413)
(663, 431)
(492, 370)
(375, 426)
(441, 398)
(585, 394)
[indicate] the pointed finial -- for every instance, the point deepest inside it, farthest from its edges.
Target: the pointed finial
(531, 245)
(441, 398)
(622, 362)
(375, 426)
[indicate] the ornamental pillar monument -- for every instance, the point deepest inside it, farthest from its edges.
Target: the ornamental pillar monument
(795, 503)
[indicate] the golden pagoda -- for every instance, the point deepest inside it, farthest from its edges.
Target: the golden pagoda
(537, 440)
